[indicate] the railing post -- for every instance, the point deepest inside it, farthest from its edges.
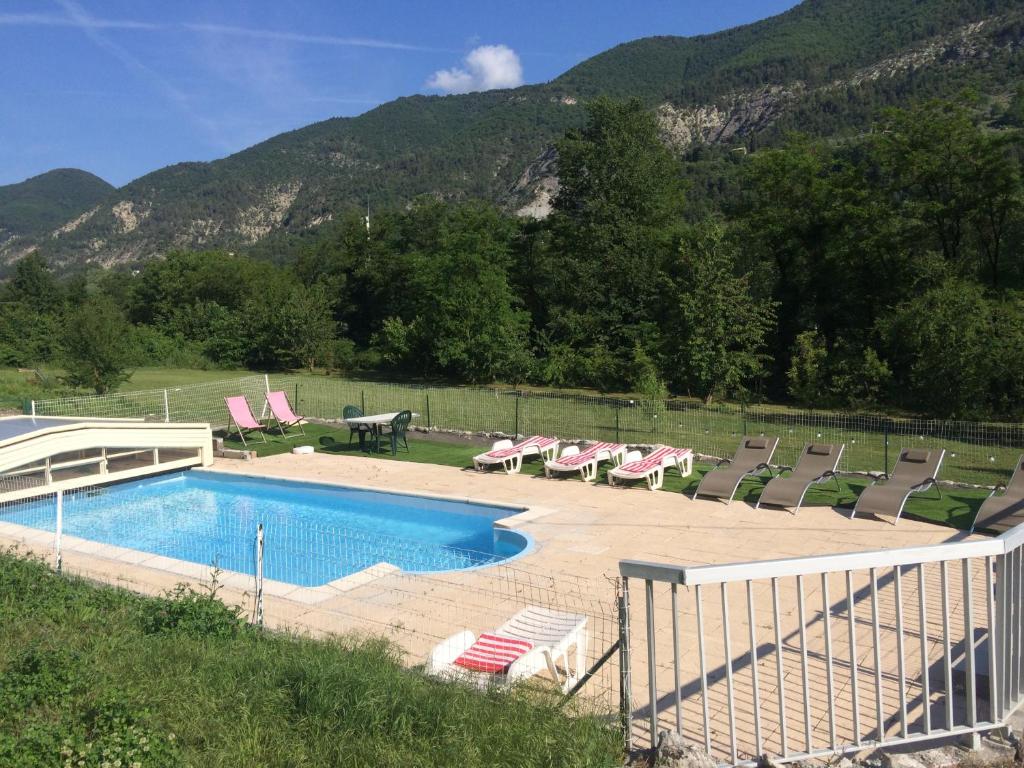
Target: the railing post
(33, 406)
(296, 395)
(743, 418)
(362, 400)
(625, 676)
(618, 407)
(167, 409)
(428, 410)
(515, 432)
(259, 575)
(59, 531)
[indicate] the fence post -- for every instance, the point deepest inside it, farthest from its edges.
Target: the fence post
(885, 434)
(362, 400)
(59, 530)
(618, 407)
(428, 410)
(167, 409)
(259, 574)
(625, 676)
(743, 418)
(33, 407)
(515, 431)
(296, 394)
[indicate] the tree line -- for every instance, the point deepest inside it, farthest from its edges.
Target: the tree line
(875, 272)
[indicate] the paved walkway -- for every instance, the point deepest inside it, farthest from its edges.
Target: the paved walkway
(581, 533)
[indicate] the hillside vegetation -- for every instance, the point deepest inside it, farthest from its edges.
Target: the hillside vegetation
(39, 205)
(94, 676)
(833, 63)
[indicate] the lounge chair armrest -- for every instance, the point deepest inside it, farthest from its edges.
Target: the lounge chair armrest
(826, 475)
(925, 484)
(529, 663)
(723, 461)
(764, 465)
(780, 470)
(998, 487)
(447, 651)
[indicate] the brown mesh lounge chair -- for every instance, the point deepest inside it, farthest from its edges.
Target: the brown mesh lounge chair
(916, 470)
(751, 458)
(1003, 512)
(817, 463)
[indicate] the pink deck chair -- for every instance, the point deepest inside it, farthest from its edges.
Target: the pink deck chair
(240, 415)
(281, 412)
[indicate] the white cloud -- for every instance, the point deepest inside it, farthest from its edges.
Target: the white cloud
(486, 67)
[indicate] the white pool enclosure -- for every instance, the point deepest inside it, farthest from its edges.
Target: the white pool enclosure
(47, 453)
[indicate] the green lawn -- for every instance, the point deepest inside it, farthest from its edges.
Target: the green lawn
(95, 676)
(956, 508)
(976, 453)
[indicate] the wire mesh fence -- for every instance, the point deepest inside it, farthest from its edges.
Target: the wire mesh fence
(977, 452)
(317, 579)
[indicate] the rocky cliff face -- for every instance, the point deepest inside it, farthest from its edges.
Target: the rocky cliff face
(741, 114)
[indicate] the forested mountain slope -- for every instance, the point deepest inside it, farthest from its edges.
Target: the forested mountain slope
(36, 206)
(824, 67)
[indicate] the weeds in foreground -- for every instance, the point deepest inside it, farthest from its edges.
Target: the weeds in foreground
(90, 676)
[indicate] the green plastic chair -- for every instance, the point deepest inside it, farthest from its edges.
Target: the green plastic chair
(399, 426)
(352, 412)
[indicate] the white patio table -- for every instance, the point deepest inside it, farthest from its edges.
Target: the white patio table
(374, 422)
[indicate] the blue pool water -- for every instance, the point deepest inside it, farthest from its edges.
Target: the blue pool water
(313, 533)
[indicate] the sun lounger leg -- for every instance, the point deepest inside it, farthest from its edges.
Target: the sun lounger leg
(655, 479)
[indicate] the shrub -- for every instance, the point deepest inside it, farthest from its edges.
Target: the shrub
(186, 611)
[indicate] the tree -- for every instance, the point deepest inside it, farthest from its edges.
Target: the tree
(616, 219)
(291, 327)
(456, 314)
(717, 329)
(939, 344)
(98, 345)
(35, 285)
(806, 374)
(954, 183)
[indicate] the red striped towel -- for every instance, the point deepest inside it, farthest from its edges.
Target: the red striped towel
(587, 454)
(654, 459)
(493, 653)
(504, 453)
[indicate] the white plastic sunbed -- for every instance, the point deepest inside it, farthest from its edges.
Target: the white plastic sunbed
(534, 640)
(652, 466)
(587, 460)
(511, 456)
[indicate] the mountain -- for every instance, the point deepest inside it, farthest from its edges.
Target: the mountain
(33, 208)
(824, 67)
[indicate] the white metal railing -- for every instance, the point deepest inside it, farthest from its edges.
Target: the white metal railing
(815, 656)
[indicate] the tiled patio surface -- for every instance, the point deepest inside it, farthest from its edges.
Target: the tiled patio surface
(581, 533)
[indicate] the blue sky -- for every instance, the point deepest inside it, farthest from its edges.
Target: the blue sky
(123, 87)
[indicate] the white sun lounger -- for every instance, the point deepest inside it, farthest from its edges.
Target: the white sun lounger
(587, 460)
(534, 640)
(652, 466)
(511, 456)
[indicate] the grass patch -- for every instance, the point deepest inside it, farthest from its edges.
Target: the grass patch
(956, 508)
(90, 675)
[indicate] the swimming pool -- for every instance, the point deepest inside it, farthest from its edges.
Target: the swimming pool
(313, 533)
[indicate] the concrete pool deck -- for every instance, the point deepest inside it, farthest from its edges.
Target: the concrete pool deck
(580, 532)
